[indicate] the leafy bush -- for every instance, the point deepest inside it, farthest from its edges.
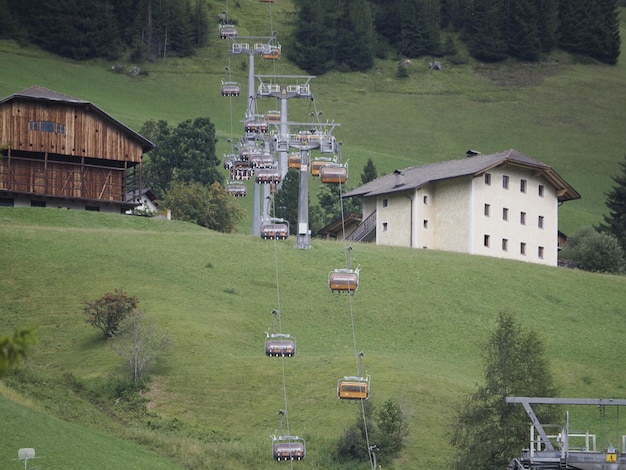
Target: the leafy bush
(108, 312)
(595, 251)
(386, 432)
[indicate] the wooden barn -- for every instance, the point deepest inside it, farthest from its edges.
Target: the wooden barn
(61, 151)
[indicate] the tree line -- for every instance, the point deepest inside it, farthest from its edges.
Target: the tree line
(86, 29)
(349, 35)
(327, 34)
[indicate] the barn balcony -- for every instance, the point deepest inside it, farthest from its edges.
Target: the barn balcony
(43, 176)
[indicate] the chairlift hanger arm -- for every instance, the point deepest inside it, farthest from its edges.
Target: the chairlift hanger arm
(527, 401)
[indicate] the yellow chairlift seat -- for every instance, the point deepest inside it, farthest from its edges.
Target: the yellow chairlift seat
(273, 53)
(343, 280)
(353, 388)
(272, 116)
(294, 160)
(316, 166)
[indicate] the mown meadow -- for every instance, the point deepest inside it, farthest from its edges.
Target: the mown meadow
(421, 317)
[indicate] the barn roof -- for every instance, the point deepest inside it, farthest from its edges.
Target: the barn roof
(39, 93)
(474, 165)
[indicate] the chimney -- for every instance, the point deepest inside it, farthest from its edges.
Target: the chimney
(399, 178)
(472, 153)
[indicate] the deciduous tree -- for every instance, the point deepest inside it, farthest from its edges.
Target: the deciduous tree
(14, 348)
(486, 431)
(184, 154)
(141, 343)
(594, 251)
(108, 312)
(211, 207)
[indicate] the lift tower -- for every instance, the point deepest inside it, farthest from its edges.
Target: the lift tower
(317, 137)
(269, 49)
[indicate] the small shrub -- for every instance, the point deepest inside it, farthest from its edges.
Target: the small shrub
(594, 251)
(108, 312)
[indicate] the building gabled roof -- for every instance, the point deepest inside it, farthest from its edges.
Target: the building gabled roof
(474, 165)
(338, 223)
(39, 93)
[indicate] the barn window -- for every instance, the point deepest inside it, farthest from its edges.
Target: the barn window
(46, 126)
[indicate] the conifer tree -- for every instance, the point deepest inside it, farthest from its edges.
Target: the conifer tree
(615, 221)
(522, 31)
(547, 23)
(369, 172)
(484, 34)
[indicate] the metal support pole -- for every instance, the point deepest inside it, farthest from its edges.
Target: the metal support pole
(303, 240)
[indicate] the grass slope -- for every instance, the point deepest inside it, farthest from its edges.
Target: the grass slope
(59, 444)
(569, 115)
(420, 316)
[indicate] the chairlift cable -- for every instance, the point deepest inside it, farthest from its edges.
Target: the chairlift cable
(358, 357)
(280, 325)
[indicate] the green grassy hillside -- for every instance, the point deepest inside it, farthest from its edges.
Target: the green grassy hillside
(420, 316)
(567, 114)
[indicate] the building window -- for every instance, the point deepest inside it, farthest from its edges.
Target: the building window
(541, 190)
(522, 248)
(522, 186)
(488, 179)
(522, 218)
(486, 210)
(7, 201)
(92, 208)
(384, 226)
(425, 200)
(505, 213)
(540, 221)
(37, 203)
(385, 202)
(505, 244)
(540, 252)
(46, 126)
(486, 240)
(425, 223)
(505, 181)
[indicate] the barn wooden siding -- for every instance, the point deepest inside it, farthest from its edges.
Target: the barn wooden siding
(85, 134)
(67, 151)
